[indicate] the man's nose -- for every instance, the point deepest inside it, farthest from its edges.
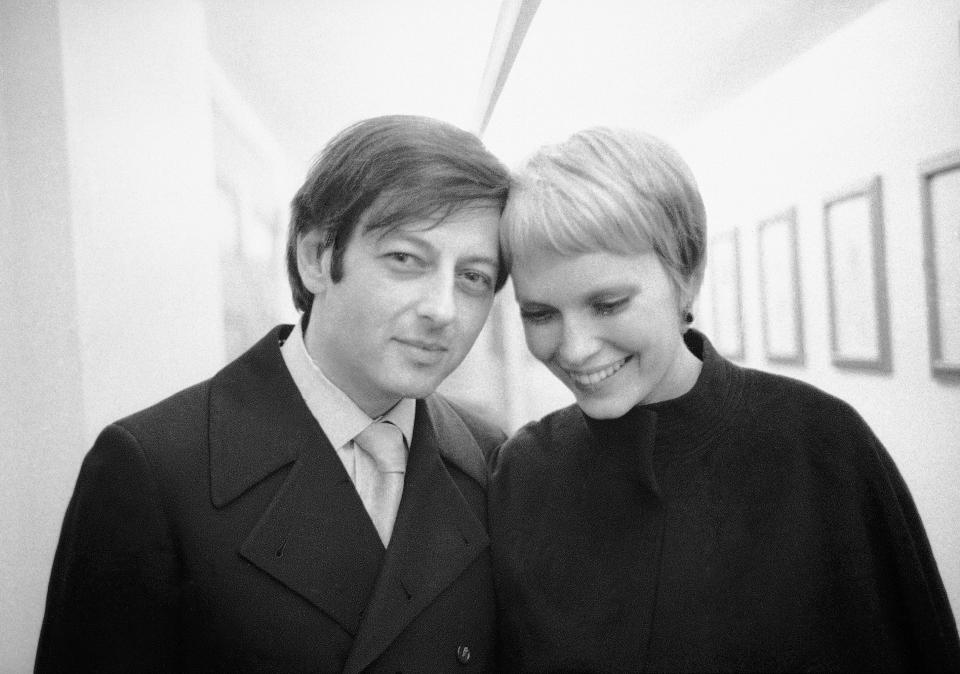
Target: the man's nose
(438, 301)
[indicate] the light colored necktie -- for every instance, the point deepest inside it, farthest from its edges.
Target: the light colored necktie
(381, 463)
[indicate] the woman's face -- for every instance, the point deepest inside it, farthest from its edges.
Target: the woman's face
(608, 326)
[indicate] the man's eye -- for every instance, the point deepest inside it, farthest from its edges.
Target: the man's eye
(477, 279)
(404, 261)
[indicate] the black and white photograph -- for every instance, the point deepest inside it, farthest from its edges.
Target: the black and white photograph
(376, 336)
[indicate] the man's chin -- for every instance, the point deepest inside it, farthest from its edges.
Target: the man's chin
(418, 386)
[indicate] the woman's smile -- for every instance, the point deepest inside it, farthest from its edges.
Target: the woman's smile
(607, 325)
(592, 378)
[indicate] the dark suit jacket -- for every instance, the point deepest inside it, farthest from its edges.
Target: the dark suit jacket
(219, 531)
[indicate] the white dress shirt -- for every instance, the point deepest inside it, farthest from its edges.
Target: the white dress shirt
(339, 417)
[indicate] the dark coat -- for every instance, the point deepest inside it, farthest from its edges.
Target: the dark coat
(753, 524)
(219, 531)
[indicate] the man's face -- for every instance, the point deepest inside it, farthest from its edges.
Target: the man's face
(408, 308)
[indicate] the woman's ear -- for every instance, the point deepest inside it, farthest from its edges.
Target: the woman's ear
(313, 261)
(685, 298)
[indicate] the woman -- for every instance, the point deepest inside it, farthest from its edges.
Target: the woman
(686, 514)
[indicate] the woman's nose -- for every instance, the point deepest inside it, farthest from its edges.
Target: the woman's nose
(577, 344)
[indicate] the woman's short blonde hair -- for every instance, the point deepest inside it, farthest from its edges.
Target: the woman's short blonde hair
(610, 190)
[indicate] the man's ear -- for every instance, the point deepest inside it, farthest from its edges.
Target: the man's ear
(313, 261)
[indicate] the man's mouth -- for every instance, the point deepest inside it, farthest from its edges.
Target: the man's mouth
(594, 377)
(424, 345)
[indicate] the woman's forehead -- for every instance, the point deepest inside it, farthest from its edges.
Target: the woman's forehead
(545, 274)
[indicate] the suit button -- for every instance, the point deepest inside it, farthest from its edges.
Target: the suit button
(463, 654)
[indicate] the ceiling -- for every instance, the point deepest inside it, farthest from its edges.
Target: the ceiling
(309, 68)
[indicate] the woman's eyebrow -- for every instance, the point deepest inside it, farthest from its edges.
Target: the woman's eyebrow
(613, 290)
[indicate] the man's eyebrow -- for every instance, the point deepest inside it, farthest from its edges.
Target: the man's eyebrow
(411, 237)
(482, 259)
(408, 237)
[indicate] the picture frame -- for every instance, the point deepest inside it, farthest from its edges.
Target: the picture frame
(781, 310)
(857, 279)
(726, 294)
(940, 201)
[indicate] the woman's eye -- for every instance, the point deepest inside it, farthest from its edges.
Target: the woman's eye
(535, 315)
(609, 308)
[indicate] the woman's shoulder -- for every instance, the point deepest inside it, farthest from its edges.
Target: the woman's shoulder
(791, 399)
(541, 442)
(767, 398)
(798, 423)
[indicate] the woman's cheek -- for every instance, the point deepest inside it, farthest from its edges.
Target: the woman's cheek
(539, 341)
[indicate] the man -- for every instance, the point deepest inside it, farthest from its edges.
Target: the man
(254, 522)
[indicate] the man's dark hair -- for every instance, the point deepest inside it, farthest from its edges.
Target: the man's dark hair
(386, 172)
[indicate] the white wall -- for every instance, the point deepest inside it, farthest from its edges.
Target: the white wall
(141, 170)
(109, 267)
(877, 97)
(41, 378)
(253, 195)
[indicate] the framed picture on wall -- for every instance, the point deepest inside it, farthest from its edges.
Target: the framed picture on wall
(940, 195)
(780, 303)
(856, 278)
(724, 263)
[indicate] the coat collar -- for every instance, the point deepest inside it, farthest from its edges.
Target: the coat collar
(315, 536)
(258, 420)
(260, 423)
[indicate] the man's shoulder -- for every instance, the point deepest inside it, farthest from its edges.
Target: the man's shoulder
(484, 429)
(187, 411)
(466, 438)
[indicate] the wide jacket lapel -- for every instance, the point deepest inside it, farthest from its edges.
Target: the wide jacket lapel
(315, 536)
(436, 536)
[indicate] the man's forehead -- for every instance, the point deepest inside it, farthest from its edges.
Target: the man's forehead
(470, 235)
(383, 222)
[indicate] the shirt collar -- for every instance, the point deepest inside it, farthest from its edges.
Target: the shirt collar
(339, 417)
